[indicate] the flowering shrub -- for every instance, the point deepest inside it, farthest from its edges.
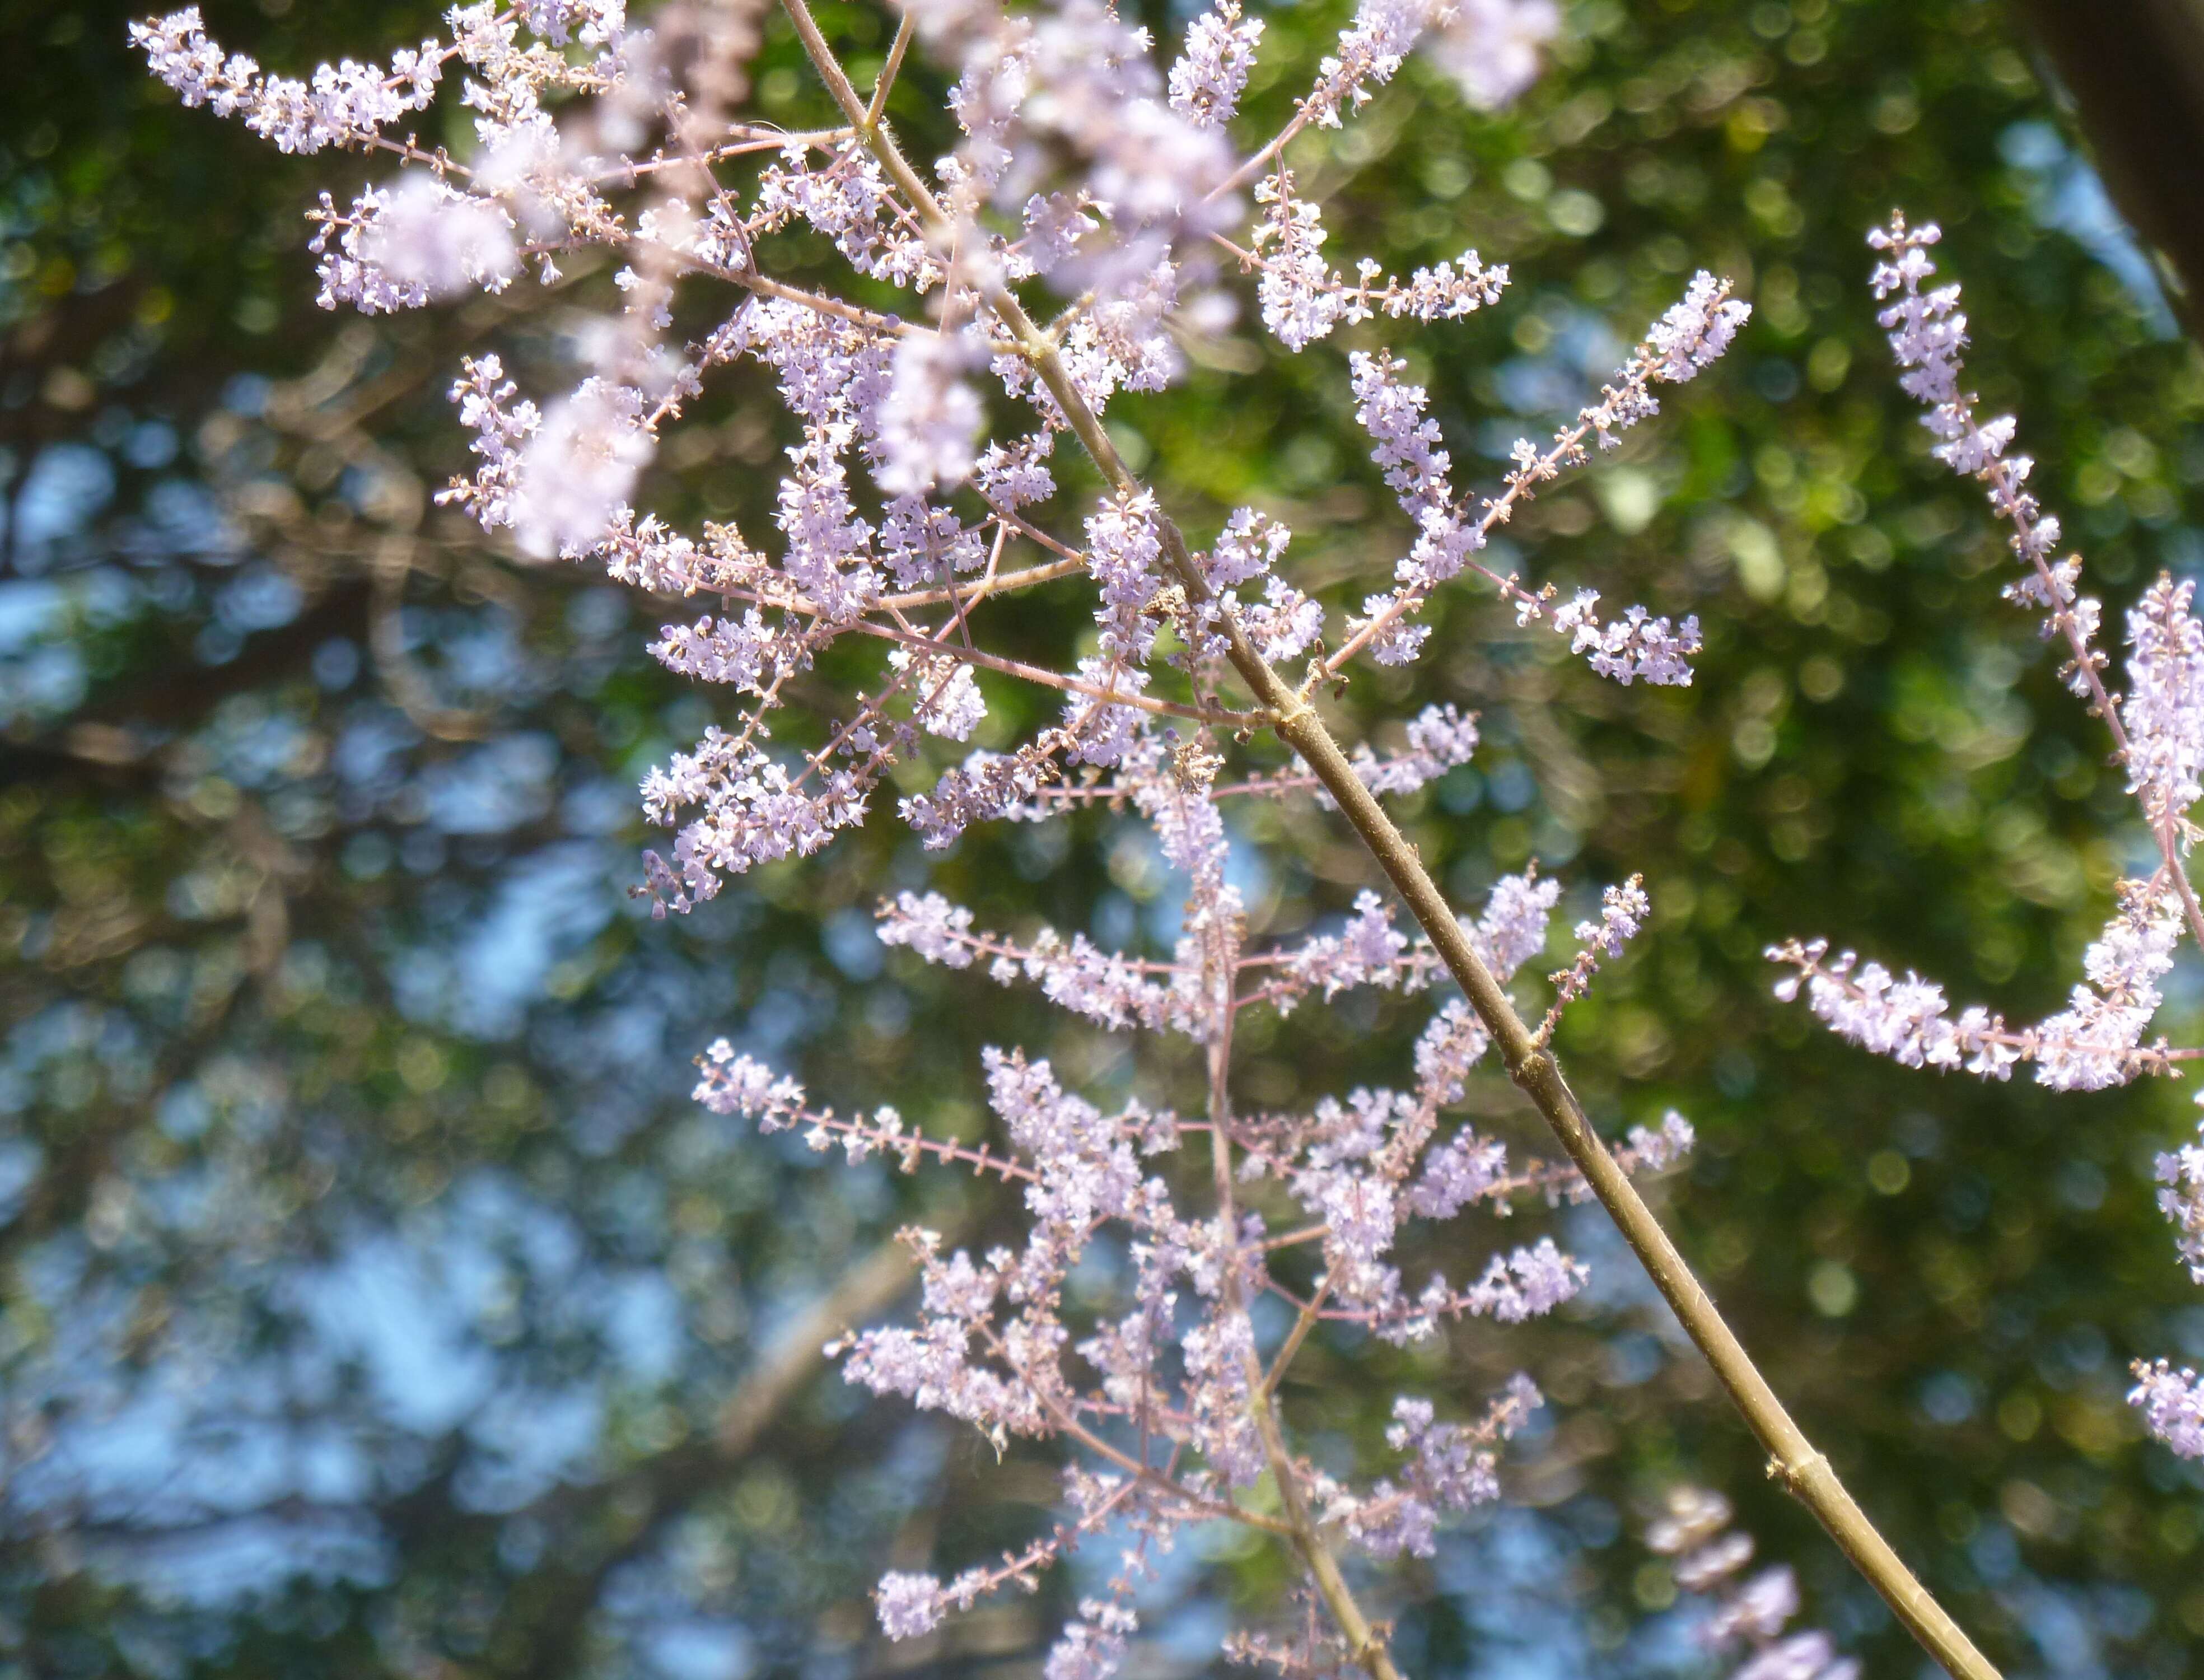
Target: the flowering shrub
(1093, 217)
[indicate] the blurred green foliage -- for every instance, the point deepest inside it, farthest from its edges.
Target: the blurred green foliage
(370, 1295)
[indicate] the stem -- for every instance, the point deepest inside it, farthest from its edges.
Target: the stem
(903, 32)
(1046, 679)
(1364, 1645)
(1147, 1474)
(1304, 1322)
(1255, 165)
(1793, 1459)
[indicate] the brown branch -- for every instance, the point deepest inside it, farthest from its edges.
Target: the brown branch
(869, 1286)
(2136, 73)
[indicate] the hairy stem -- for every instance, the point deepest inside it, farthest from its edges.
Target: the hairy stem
(1792, 1458)
(1363, 1643)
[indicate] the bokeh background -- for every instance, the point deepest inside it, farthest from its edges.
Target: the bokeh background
(372, 1299)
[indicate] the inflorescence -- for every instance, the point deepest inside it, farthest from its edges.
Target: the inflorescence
(2158, 739)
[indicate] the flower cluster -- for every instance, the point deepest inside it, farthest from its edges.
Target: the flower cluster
(2157, 739)
(2098, 1040)
(1450, 1467)
(2164, 711)
(1635, 647)
(1638, 647)
(1928, 330)
(1212, 73)
(1303, 298)
(2172, 1402)
(347, 103)
(423, 240)
(1490, 47)
(2095, 1041)
(1082, 168)
(1080, 233)
(1162, 1390)
(1753, 1613)
(1622, 911)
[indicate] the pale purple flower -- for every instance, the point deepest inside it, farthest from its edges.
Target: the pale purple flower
(1408, 450)
(1284, 623)
(2172, 1406)
(1622, 911)
(1440, 738)
(1634, 647)
(1123, 555)
(930, 423)
(1366, 951)
(1370, 52)
(1928, 330)
(1491, 47)
(1450, 1045)
(346, 104)
(1710, 1565)
(1757, 1609)
(1093, 1647)
(592, 21)
(1450, 534)
(1303, 298)
(2181, 1199)
(2096, 1041)
(899, 525)
(1512, 929)
(2163, 709)
(739, 1084)
(946, 698)
(1207, 82)
(1658, 1151)
(1457, 1173)
(1528, 1283)
(428, 236)
(1803, 1656)
(847, 200)
(927, 545)
(1697, 330)
(1250, 544)
(930, 925)
(578, 469)
(910, 1604)
(1751, 1613)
